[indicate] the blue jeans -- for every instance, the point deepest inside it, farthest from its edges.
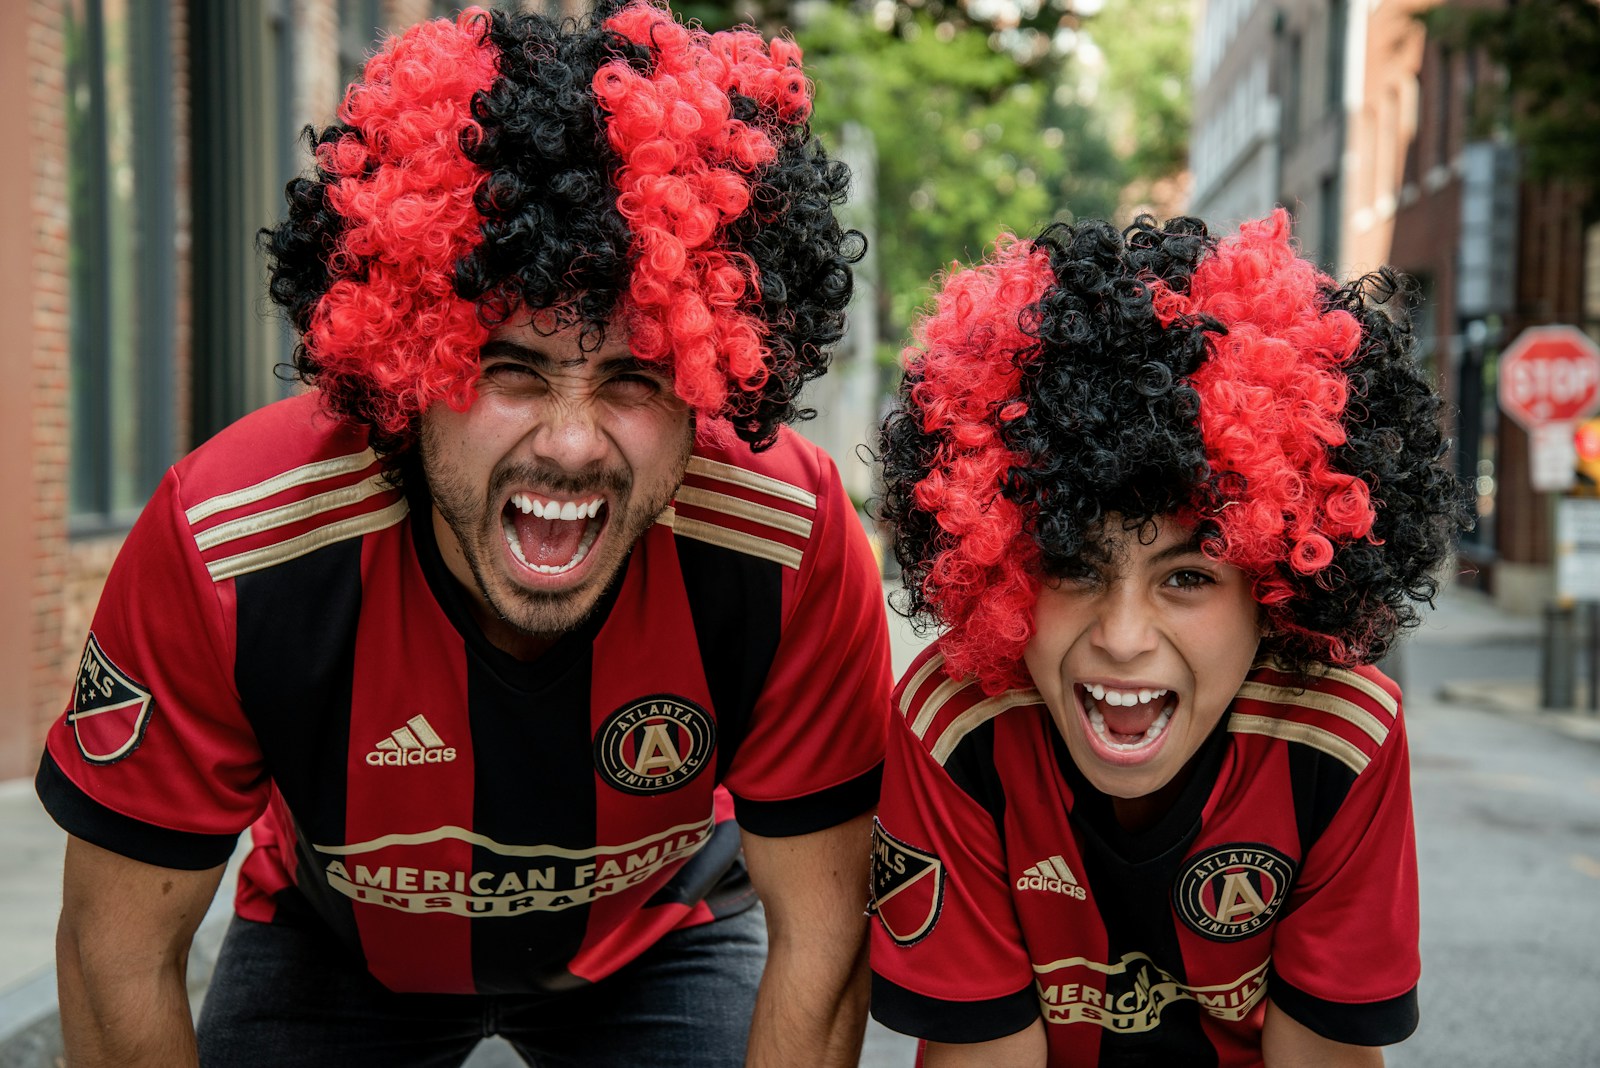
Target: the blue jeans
(284, 997)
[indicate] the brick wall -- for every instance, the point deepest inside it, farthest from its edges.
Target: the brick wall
(48, 389)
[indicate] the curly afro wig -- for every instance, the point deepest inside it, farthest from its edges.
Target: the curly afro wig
(623, 168)
(1159, 372)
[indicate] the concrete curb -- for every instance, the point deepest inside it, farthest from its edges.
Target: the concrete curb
(1521, 701)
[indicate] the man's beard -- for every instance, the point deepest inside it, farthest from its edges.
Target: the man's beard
(477, 528)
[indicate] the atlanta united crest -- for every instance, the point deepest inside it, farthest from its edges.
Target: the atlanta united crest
(654, 744)
(110, 711)
(1232, 891)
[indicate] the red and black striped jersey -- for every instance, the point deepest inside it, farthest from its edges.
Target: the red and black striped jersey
(1007, 891)
(280, 644)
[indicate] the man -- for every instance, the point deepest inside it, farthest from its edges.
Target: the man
(490, 637)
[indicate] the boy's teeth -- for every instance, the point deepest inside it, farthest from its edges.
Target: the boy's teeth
(1098, 722)
(1122, 698)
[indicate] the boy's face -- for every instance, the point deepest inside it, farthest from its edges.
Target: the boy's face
(1138, 657)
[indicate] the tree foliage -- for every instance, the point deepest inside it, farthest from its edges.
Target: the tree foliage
(1550, 96)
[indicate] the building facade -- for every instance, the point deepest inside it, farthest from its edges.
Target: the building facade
(1381, 161)
(151, 138)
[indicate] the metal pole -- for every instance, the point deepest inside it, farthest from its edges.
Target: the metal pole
(1592, 699)
(1556, 683)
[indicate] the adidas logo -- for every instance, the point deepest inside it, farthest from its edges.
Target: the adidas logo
(1053, 875)
(415, 743)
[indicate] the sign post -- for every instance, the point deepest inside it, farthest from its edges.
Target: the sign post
(1549, 383)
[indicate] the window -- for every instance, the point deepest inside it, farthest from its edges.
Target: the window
(1338, 30)
(1292, 75)
(120, 274)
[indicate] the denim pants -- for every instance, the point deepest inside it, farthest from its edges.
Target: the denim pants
(283, 997)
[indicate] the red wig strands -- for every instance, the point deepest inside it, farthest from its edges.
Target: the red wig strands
(966, 352)
(1272, 398)
(685, 175)
(404, 190)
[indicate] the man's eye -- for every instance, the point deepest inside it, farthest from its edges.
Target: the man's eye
(633, 387)
(1188, 579)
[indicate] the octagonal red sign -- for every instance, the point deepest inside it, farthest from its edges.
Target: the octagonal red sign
(1550, 374)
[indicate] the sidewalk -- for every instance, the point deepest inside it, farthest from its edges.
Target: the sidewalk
(31, 845)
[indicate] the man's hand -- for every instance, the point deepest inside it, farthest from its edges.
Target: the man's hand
(812, 1005)
(1287, 1043)
(121, 951)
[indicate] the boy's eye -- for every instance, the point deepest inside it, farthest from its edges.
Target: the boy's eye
(1187, 579)
(1076, 575)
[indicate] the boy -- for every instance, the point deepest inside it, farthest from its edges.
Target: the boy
(1147, 800)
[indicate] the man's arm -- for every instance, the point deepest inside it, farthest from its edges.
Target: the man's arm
(1287, 1043)
(812, 1005)
(1025, 1049)
(122, 948)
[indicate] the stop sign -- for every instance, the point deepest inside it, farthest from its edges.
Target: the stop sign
(1550, 374)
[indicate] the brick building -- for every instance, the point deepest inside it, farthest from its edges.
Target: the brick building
(1378, 158)
(151, 138)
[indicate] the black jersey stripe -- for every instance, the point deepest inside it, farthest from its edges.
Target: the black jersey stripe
(295, 670)
(1131, 875)
(936, 1020)
(1371, 1023)
(84, 817)
(736, 601)
(814, 812)
(1319, 783)
(524, 743)
(972, 767)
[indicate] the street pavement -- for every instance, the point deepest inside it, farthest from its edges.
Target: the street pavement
(1507, 805)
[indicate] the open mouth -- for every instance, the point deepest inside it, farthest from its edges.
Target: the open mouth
(1127, 721)
(550, 536)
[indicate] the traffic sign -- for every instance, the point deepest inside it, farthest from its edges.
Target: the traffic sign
(1550, 374)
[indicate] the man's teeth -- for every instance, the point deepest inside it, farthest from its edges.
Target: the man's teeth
(1122, 698)
(529, 505)
(584, 545)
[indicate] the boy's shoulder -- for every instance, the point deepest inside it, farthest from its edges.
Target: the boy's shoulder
(1346, 714)
(942, 711)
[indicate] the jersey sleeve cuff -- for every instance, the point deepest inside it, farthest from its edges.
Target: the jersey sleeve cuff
(936, 1020)
(1368, 1023)
(813, 812)
(83, 817)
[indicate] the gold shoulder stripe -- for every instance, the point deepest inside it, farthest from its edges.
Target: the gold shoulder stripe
(1360, 682)
(338, 465)
(738, 476)
(977, 716)
(736, 540)
(312, 540)
(1348, 711)
(946, 689)
(738, 506)
(934, 663)
(291, 513)
(1304, 733)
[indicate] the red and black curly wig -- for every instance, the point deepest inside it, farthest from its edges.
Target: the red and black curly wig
(620, 168)
(1159, 372)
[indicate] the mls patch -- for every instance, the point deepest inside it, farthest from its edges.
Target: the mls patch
(110, 711)
(907, 887)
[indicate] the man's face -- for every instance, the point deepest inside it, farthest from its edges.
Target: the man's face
(1138, 657)
(542, 486)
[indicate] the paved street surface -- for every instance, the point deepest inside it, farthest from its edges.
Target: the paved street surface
(1508, 827)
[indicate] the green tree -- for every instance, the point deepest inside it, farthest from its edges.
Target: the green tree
(1550, 97)
(970, 140)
